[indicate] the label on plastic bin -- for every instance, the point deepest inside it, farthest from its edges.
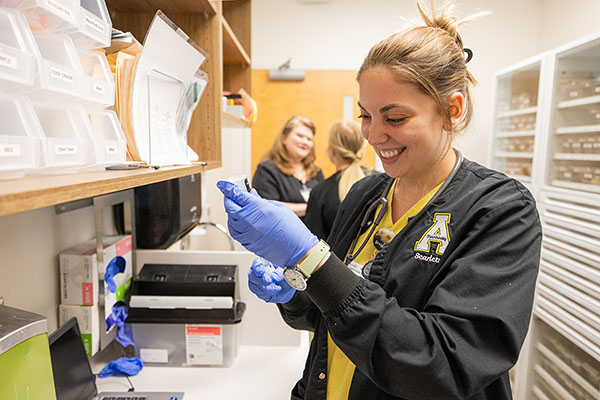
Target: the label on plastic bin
(8, 61)
(98, 88)
(61, 9)
(62, 75)
(10, 150)
(94, 24)
(204, 344)
(110, 150)
(65, 149)
(154, 355)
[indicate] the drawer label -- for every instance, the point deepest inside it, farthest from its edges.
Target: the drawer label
(8, 61)
(65, 149)
(10, 150)
(98, 88)
(111, 150)
(94, 24)
(62, 75)
(61, 9)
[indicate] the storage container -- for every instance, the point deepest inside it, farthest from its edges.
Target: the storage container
(59, 77)
(17, 51)
(111, 146)
(98, 82)
(63, 148)
(95, 26)
(185, 345)
(20, 133)
(58, 16)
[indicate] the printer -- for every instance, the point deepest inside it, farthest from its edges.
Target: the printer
(185, 315)
(195, 293)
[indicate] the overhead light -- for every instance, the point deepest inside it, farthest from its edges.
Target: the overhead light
(285, 73)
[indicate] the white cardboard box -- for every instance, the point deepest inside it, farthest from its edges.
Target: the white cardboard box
(80, 275)
(88, 319)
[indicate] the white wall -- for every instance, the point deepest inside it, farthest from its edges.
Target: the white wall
(338, 34)
(565, 21)
(29, 246)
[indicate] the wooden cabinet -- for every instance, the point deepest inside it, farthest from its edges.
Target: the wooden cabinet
(222, 29)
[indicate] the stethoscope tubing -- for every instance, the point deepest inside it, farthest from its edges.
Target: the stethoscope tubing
(384, 205)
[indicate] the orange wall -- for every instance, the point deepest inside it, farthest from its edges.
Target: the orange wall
(319, 97)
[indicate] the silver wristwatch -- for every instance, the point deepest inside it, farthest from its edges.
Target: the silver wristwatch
(297, 275)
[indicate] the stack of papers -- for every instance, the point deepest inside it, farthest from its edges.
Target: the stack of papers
(158, 86)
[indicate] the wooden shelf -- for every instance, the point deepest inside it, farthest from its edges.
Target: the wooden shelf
(233, 51)
(168, 6)
(39, 191)
(233, 118)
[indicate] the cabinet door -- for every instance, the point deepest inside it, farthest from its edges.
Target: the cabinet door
(574, 136)
(516, 120)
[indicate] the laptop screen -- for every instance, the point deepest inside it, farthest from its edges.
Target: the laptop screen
(73, 377)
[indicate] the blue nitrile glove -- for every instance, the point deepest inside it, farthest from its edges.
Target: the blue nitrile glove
(122, 367)
(117, 317)
(267, 228)
(115, 266)
(267, 282)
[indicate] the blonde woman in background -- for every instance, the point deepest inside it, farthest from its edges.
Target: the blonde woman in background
(288, 172)
(345, 150)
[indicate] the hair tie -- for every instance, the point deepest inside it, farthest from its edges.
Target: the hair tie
(469, 54)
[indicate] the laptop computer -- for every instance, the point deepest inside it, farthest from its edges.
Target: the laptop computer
(73, 377)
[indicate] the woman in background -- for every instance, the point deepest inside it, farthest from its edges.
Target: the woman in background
(288, 172)
(346, 149)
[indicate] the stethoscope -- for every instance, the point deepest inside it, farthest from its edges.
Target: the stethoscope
(382, 200)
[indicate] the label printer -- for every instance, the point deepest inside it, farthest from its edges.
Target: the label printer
(175, 293)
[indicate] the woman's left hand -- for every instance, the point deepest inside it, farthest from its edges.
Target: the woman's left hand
(269, 229)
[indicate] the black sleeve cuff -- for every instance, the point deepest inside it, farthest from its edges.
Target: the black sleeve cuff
(331, 284)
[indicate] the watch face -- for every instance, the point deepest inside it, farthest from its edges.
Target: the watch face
(295, 279)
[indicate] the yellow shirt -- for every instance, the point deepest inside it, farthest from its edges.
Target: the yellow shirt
(339, 368)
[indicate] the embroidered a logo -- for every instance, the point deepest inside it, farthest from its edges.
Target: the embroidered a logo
(437, 234)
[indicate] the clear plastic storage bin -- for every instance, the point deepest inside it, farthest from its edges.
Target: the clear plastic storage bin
(59, 16)
(110, 141)
(63, 147)
(184, 345)
(20, 134)
(98, 81)
(60, 76)
(95, 26)
(17, 51)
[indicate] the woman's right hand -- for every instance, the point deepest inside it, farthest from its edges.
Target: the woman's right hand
(269, 229)
(266, 281)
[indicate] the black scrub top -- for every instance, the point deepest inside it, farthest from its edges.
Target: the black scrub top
(324, 203)
(272, 184)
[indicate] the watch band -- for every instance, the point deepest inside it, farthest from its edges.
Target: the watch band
(310, 263)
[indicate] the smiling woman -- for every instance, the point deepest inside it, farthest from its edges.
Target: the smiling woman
(441, 254)
(288, 172)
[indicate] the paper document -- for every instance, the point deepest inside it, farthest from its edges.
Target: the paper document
(167, 66)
